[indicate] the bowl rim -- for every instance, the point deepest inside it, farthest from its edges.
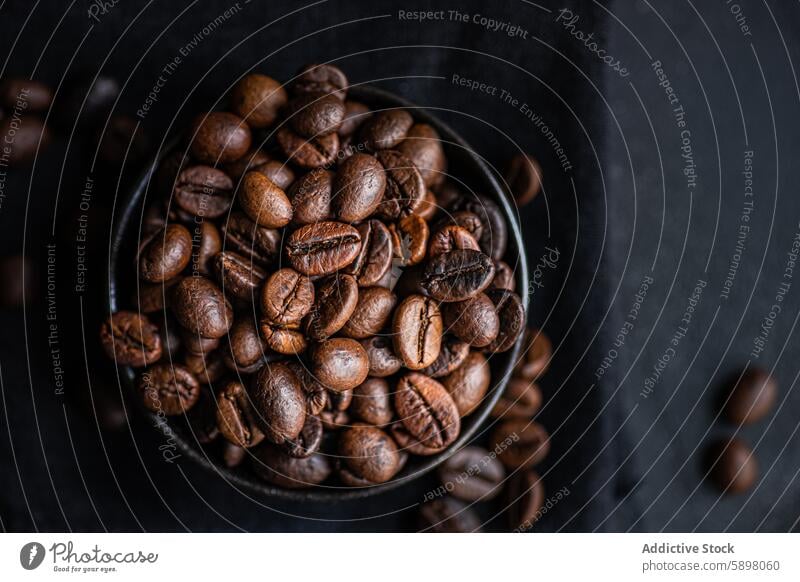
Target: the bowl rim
(252, 484)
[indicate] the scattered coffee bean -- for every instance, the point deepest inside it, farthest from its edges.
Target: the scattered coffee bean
(448, 515)
(521, 399)
(752, 397)
(472, 474)
(734, 468)
(524, 177)
(524, 499)
(535, 355)
(522, 443)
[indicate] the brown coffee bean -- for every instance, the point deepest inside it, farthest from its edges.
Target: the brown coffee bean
(204, 191)
(315, 393)
(335, 416)
(130, 339)
(457, 275)
(511, 315)
(371, 314)
(382, 360)
(469, 383)
(469, 221)
(311, 197)
(369, 453)
(452, 354)
(207, 368)
(272, 464)
(278, 173)
(474, 320)
(472, 474)
(423, 147)
(257, 99)
(286, 298)
(372, 402)
(426, 410)
(409, 239)
(197, 344)
(336, 300)
(429, 206)
(168, 388)
(494, 233)
(448, 515)
(521, 443)
(534, 359)
(320, 79)
(358, 188)
(236, 418)
(238, 276)
(166, 254)
(153, 297)
(245, 352)
(524, 177)
(25, 95)
(250, 240)
(281, 339)
(200, 307)
(451, 237)
(308, 441)
(405, 189)
(386, 129)
(503, 277)
(208, 246)
(375, 256)
(323, 248)
(524, 499)
(355, 114)
(219, 137)
(252, 159)
(417, 331)
(315, 114)
(521, 399)
(279, 402)
(23, 138)
(734, 467)
(752, 397)
(333, 421)
(340, 363)
(263, 201)
(314, 152)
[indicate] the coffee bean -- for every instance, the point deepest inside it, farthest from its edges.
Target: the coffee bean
(245, 352)
(130, 339)
(537, 350)
(257, 243)
(355, 114)
(202, 418)
(409, 239)
(151, 297)
(448, 515)
(382, 360)
(209, 245)
(423, 147)
(369, 453)
(311, 197)
(315, 393)
(451, 237)
(417, 329)
(320, 79)
(494, 235)
(168, 388)
(23, 138)
(197, 344)
(426, 410)
(359, 186)
(308, 441)
(511, 315)
(472, 474)
(207, 368)
(465, 219)
(372, 402)
(336, 300)
(752, 397)
(278, 173)
(375, 255)
(335, 417)
(521, 399)
(204, 191)
(287, 341)
(386, 129)
(469, 383)
(200, 307)
(524, 177)
(503, 277)
(315, 114)
(166, 254)
(457, 275)
(252, 159)
(272, 464)
(25, 94)
(257, 99)
(314, 152)
(340, 363)
(323, 248)
(263, 201)
(238, 276)
(429, 206)
(372, 312)
(286, 298)
(279, 402)
(474, 320)
(219, 137)
(236, 418)
(521, 443)
(452, 354)
(405, 189)
(734, 467)
(335, 420)
(524, 499)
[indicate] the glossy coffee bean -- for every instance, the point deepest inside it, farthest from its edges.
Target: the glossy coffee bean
(207, 368)
(417, 331)
(275, 466)
(409, 239)
(355, 114)
(404, 190)
(340, 363)
(734, 467)
(457, 275)
(287, 297)
(465, 219)
(525, 496)
(521, 443)
(130, 339)
(323, 248)
(474, 320)
(315, 152)
(469, 383)
(385, 129)
(278, 173)
(258, 99)
(451, 237)
(423, 147)
(257, 243)
(320, 79)
(372, 312)
(524, 177)
(253, 158)
(382, 360)
(24, 94)
(448, 515)
(23, 138)
(166, 254)
(534, 359)
(284, 340)
(308, 441)
(238, 276)
(521, 399)
(335, 301)
(472, 474)
(358, 188)
(200, 307)
(315, 114)
(236, 418)
(263, 201)
(452, 353)
(207, 244)
(219, 137)
(426, 410)
(310, 197)
(372, 402)
(245, 351)
(369, 453)
(375, 255)
(503, 277)
(752, 397)
(204, 191)
(316, 394)
(511, 315)
(494, 235)
(168, 389)
(279, 402)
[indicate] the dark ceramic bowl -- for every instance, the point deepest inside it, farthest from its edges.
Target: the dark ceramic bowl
(463, 164)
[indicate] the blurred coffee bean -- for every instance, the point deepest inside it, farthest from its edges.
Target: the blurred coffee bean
(19, 276)
(448, 515)
(534, 359)
(524, 177)
(122, 140)
(472, 474)
(521, 443)
(25, 95)
(734, 468)
(23, 136)
(752, 397)
(524, 499)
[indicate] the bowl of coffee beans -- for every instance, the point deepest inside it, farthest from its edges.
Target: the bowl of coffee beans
(315, 292)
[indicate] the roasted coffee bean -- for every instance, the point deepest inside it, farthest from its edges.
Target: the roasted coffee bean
(417, 331)
(166, 254)
(122, 141)
(423, 147)
(25, 95)
(204, 191)
(320, 79)
(335, 302)
(315, 393)
(238, 276)
(245, 352)
(369, 453)
(200, 307)
(335, 416)
(244, 236)
(311, 197)
(219, 137)
(472, 474)
(23, 138)
(375, 256)
(386, 129)
(405, 189)
(340, 363)
(469, 383)
(537, 350)
(233, 455)
(457, 275)
(524, 499)
(409, 239)
(373, 311)
(358, 188)
(206, 248)
(283, 340)
(197, 344)
(308, 441)
(314, 152)
(168, 389)
(452, 354)
(372, 402)
(334, 420)
(494, 235)
(408, 443)
(286, 298)
(734, 467)
(503, 277)
(524, 177)
(151, 297)
(249, 161)
(323, 248)
(382, 360)
(448, 515)
(521, 443)
(272, 464)
(521, 399)
(279, 402)
(339, 400)
(465, 219)
(207, 368)
(130, 339)
(511, 315)
(426, 410)
(752, 397)
(263, 201)
(474, 320)
(451, 237)
(278, 172)
(355, 114)
(315, 114)
(257, 99)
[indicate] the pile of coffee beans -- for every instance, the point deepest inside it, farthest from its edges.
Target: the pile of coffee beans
(314, 293)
